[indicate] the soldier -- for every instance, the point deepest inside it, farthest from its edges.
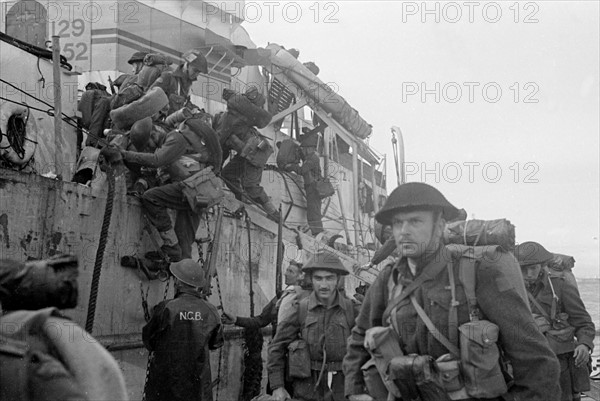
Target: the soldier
(422, 284)
(183, 155)
(311, 172)
(180, 334)
(236, 128)
(270, 311)
(556, 303)
(322, 321)
(177, 84)
(136, 61)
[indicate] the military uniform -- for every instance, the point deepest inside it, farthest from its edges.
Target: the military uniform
(543, 286)
(176, 85)
(499, 290)
(324, 327)
(500, 300)
(573, 379)
(236, 128)
(311, 171)
(325, 330)
(179, 156)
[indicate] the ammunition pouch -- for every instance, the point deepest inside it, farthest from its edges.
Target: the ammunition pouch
(480, 358)
(561, 335)
(376, 388)
(202, 190)
(299, 363)
(418, 377)
(383, 345)
(256, 150)
(542, 323)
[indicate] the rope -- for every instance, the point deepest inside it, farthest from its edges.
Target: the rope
(89, 322)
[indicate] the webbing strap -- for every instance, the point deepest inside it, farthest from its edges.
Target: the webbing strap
(466, 274)
(434, 330)
(430, 272)
(453, 312)
(554, 298)
(538, 306)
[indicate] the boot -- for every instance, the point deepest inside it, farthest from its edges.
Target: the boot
(170, 245)
(272, 213)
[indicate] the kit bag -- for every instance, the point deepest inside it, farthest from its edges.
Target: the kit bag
(203, 190)
(324, 187)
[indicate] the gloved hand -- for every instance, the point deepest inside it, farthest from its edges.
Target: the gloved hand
(581, 355)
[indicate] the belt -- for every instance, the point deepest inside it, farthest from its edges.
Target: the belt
(329, 366)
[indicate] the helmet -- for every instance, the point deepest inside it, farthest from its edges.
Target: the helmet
(415, 196)
(196, 59)
(137, 57)
(140, 133)
(532, 253)
(324, 260)
(189, 272)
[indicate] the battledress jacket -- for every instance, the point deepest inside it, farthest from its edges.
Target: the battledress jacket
(323, 327)
(502, 300)
(569, 302)
(181, 333)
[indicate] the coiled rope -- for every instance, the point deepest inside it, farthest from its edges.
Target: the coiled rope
(89, 322)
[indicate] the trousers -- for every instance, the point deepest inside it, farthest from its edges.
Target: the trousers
(306, 389)
(313, 209)
(241, 176)
(157, 200)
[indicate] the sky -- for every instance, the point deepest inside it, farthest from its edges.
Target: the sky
(497, 102)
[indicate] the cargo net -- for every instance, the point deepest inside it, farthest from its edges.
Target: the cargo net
(253, 342)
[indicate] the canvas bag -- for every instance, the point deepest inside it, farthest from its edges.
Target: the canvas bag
(324, 187)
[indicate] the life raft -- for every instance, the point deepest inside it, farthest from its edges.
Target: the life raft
(18, 133)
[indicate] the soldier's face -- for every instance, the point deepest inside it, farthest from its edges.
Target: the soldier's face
(292, 274)
(136, 67)
(531, 273)
(324, 284)
(416, 232)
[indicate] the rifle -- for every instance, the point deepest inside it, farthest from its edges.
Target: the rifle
(112, 86)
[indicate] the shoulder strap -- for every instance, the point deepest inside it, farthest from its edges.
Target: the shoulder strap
(467, 276)
(434, 330)
(302, 311)
(349, 310)
(428, 273)
(554, 298)
(538, 306)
